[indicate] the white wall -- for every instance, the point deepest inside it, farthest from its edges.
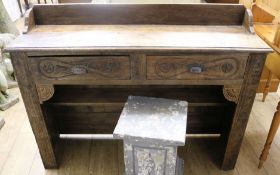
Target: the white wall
(12, 8)
(14, 11)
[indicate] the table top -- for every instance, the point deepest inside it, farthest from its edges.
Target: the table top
(155, 119)
(118, 37)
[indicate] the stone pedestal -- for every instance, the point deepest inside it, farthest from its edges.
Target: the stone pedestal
(11, 100)
(152, 129)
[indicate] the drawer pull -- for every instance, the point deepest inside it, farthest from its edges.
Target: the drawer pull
(195, 68)
(79, 69)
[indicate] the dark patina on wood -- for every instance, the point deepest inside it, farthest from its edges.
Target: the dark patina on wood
(77, 65)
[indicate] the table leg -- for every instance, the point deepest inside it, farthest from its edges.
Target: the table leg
(267, 86)
(20, 7)
(233, 135)
(272, 131)
(26, 4)
(45, 133)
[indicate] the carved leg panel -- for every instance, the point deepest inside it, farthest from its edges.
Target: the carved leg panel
(38, 121)
(233, 139)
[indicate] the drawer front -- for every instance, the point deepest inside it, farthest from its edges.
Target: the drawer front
(196, 67)
(81, 68)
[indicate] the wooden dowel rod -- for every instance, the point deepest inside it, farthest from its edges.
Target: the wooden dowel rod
(110, 136)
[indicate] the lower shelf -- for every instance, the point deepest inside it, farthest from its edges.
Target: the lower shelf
(96, 110)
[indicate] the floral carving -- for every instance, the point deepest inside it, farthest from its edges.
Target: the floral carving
(179, 67)
(150, 161)
(48, 67)
(166, 67)
(53, 68)
(227, 67)
(45, 92)
(232, 93)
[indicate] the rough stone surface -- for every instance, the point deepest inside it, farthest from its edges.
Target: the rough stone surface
(5, 60)
(142, 158)
(152, 128)
(158, 119)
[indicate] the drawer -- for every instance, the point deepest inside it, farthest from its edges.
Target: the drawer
(196, 67)
(81, 68)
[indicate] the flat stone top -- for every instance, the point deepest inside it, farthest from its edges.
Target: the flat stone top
(153, 119)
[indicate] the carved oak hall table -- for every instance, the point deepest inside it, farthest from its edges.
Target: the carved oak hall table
(77, 64)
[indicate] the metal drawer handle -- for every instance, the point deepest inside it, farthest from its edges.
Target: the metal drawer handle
(79, 69)
(195, 68)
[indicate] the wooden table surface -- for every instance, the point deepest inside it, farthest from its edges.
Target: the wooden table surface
(140, 36)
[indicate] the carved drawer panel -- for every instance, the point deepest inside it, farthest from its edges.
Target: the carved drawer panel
(81, 68)
(200, 67)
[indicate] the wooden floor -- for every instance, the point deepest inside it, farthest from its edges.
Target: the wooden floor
(19, 154)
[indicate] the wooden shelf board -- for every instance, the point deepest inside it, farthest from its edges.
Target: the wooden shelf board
(65, 95)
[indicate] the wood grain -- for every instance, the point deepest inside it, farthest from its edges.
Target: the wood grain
(172, 14)
(261, 15)
(243, 109)
(267, 31)
(138, 66)
(232, 93)
(199, 154)
(223, 1)
(74, 1)
(96, 109)
(201, 120)
(197, 67)
(86, 68)
(274, 82)
(272, 132)
(248, 21)
(45, 92)
(138, 38)
(29, 21)
(35, 114)
(267, 86)
(60, 46)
